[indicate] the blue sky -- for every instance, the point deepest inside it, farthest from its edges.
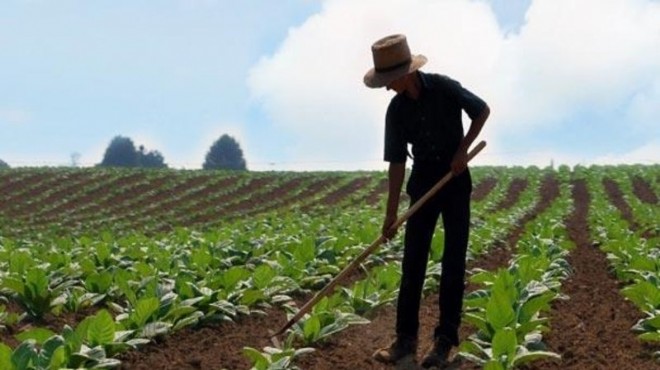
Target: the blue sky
(569, 82)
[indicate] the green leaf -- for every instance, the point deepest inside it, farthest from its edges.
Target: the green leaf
(252, 296)
(643, 294)
(493, 365)
(653, 322)
(102, 252)
(99, 282)
(40, 335)
(482, 277)
(258, 359)
(535, 305)
(146, 307)
(499, 310)
(305, 252)
(154, 329)
(478, 321)
(101, 329)
(531, 326)
(650, 337)
(263, 276)
(14, 285)
(525, 357)
(311, 329)
(25, 353)
(73, 340)
(5, 357)
(52, 353)
(189, 320)
(37, 281)
(473, 348)
(233, 276)
(505, 344)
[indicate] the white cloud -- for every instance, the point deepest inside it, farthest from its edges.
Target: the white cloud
(569, 58)
(645, 108)
(313, 87)
(648, 153)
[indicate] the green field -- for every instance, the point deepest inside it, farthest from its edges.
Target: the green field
(133, 269)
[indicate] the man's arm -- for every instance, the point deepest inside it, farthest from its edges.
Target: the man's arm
(395, 175)
(459, 162)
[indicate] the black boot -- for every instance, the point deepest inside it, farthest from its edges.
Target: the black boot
(438, 356)
(399, 349)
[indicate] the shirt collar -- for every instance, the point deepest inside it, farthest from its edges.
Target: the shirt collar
(424, 79)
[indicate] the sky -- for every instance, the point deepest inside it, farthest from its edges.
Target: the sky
(568, 82)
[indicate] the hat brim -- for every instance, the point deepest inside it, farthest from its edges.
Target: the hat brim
(375, 79)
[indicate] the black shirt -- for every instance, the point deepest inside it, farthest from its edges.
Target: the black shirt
(432, 123)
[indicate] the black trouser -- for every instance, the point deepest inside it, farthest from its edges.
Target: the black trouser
(453, 202)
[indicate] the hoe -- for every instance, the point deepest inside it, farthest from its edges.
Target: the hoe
(381, 239)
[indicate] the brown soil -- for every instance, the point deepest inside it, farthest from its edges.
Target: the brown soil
(28, 200)
(167, 201)
(224, 202)
(212, 347)
(617, 198)
(341, 193)
(643, 191)
(219, 347)
(483, 188)
(77, 204)
(11, 186)
(378, 192)
(591, 330)
(516, 187)
(70, 187)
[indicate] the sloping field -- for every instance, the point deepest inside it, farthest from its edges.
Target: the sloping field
(138, 269)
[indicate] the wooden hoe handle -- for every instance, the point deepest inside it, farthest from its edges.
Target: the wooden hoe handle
(381, 239)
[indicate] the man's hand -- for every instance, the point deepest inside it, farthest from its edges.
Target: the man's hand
(388, 231)
(459, 162)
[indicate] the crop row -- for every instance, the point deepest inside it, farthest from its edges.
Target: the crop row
(265, 250)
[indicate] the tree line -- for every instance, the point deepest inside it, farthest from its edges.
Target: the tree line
(224, 154)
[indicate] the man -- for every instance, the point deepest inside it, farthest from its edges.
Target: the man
(427, 113)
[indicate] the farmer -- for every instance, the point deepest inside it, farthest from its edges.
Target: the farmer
(427, 113)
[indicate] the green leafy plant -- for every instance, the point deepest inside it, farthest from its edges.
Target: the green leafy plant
(329, 316)
(36, 292)
(279, 357)
(507, 316)
(380, 287)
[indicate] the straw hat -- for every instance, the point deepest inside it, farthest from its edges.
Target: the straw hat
(392, 59)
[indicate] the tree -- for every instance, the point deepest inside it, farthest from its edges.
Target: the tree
(151, 159)
(120, 153)
(225, 154)
(3, 164)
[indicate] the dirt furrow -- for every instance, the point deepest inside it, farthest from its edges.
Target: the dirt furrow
(591, 330)
(643, 191)
(352, 348)
(483, 188)
(220, 346)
